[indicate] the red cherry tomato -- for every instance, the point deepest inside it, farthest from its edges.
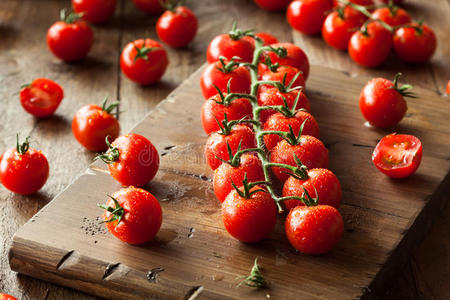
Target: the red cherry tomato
(382, 103)
(144, 61)
(394, 16)
(273, 5)
(152, 7)
(220, 73)
(249, 220)
(323, 181)
(230, 45)
(177, 27)
(41, 98)
(415, 44)
(249, 165)
(70, 39)
(295, 58)
(214, 110)
(339, 27)
(307, 16)
(314, 229)
(371, 46)
(359, 2)
(216, 144)
(267, 38)
(95, 11)
(398, 155)
(132, 160)
(310, 150)
(278, 74)
(92, 124)
(279, 122)
(7, 297)
(133, 215)
(447, 90)
(23, 170)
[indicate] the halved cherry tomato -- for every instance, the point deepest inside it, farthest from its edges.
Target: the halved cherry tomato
(177, 27)
(273, 5)
(393, 16)
(42, 97)
(398, 155)
(415, 43)
(307, 16)
(152, 7)
(295, 57)
(229, 45)
(95, 11)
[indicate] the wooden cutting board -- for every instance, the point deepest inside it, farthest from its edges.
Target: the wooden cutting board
(193, 257)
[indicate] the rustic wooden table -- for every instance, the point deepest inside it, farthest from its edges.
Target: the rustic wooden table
(24, 56)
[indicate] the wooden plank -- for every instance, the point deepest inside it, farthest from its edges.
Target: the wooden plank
(379, 226)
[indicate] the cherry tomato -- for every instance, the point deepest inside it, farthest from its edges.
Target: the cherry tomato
(371, 46)
(382, 103)
(314, 229)
(152, 7)
(307, 16)
(92, 124)
(278, 74)
(295, 58)
(248, 165)
(216, 144)
(447, 90)
(273, 5)
(273, 96)
(133, 215)
(249, 219)
(323, 181)
(340, 25)
(310, 150)
(229, 45)
(132, 160)
(42, 97)
(398, 155)
(177, 27)
(393, 16)
(280, 122)
(267, 38)
(23, 170)
(359, 2)
(7, 297)
(215, 108)
(71, 38)
(220, 73)
(95, 11)
(415, 43)
(144, 61)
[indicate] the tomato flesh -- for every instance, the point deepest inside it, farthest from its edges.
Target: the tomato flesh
(41, 98)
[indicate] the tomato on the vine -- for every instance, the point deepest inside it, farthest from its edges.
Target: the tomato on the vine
(267, 38)
(95, 11)
(398, 155)
(393, 16)
(133, 215)
(132, 159)
(144, 61)
(177, 26)
(295, 57)
(307, 16)
(23, 170)
(282, 74)
(272, 5)
(92, 124)
(415, 43)
(358, 2)
(42, 97)
(152, 7)
(70, 39)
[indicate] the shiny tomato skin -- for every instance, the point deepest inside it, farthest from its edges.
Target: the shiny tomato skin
(239, 76)
(152, 7)
(23, 174)
(273, 5)
(447, 90)
(177, 28)
(279, 122)
(216, 144)
(314, 229)
(224, 45)
(307, 16)
(278, 75)
(401, 16)
(141, 220)
(267, 38)
(226, 174)
(372, 50)
(324, 181)
(211, 110)
(398, 155)
(337, 31)
(7, 297)
(91, 125)
(295, 57)
(95, 11)
(413, 47)
(140, 70)
(311, 152)
(70, 42)
(42, 97)
(138, 161)
(249, 220)
(381, 104)
(273, 96)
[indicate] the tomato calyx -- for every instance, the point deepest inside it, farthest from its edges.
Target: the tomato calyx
(235, 160)
(273, 67)
(143, 51)
(365, 11)
(226, 100)
(22, 148)
(255, 279)
(171, 5)
(230, 66)
(246, 186)
(300, 172)
(69, 18)
(117, 211)
(418, 27)
(282, 86)
(108, 109)
(403, 90)
(237, 33)
(111, 155)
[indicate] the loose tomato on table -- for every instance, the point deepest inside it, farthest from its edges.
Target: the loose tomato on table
(398, 155)
(152, 7)
(295, 57)
(132, 159)
(393, 15)
(273, 5)
(447, 90)
(6, 297)
(70, 39)
(415, 43)
(307, 16)
(95, 11)
(144, 61)
(133, 215)
(23, 170)
(381, 101)
(41, 98)
(92, 124)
